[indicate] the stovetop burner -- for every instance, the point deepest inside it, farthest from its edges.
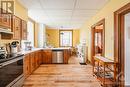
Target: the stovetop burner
(2, 56)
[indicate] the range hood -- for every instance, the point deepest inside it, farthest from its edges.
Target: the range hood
(6, 30)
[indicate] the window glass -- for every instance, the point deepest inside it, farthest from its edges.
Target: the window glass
(65, 38)
(30, 30)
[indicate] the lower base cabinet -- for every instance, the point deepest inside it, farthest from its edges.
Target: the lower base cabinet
(31, 62)
(47, 56)
(67, 55)
(26, 65)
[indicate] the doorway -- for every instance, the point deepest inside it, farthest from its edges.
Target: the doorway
(98, 39)
(121, 44)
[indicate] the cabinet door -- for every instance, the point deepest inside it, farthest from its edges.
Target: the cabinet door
(0, 19)
(6, 20)
(32, 62)
(24, 30)
(40, 57)
(47, 56)
(66, 56)
(16, 28)
(36, 59)
(26, 65)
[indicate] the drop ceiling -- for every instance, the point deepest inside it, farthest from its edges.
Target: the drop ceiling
(67, 14)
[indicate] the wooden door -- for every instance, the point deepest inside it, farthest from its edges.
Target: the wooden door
(24, 30)
(16, 28)
(47, 56)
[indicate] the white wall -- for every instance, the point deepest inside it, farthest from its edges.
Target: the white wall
(127, 49)
(41, 35)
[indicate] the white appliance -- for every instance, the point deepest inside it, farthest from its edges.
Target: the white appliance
(82, 53)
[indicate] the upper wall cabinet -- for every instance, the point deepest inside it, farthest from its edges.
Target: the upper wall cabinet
(24, 30)
(5, 20)
(16, 28)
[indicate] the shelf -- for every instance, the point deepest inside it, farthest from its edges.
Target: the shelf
(108, 75)
(106, 82)
(105, 70)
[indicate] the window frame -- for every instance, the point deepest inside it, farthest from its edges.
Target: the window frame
(60, 38)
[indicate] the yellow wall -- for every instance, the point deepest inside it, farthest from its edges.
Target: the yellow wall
(20, 11)
(54, 37)
(108, 13)
(76, 37)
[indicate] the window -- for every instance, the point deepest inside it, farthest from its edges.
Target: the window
(66, 38)
(30, 30)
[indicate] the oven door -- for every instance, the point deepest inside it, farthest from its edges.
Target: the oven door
(11, 72)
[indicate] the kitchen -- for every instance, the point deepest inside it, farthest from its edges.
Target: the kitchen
(61, 43)
(22, 53)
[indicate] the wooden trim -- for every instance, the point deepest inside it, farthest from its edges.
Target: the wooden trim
(101, 22)
(59, 37)
(119, 43)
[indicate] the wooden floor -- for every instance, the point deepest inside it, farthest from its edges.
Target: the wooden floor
(69, 75)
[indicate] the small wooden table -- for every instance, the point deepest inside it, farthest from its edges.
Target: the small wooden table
(102, 68)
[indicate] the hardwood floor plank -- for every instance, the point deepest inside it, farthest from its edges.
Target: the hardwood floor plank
(62, 76)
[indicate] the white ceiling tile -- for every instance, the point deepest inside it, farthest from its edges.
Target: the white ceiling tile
(31, 4)
(66, 13)
(84, 13)
(59, 12)
(90, 4)
(58, 4)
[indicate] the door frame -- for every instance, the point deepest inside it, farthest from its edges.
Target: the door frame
(119, 42)
(101, 22)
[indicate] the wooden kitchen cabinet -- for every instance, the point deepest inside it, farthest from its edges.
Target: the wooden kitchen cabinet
(32, 61)
(37, 58)
(5, 20)
(16, 28)
(47, 56)
(40, 57)
(26, 65)
(67, 55)
(24, 30)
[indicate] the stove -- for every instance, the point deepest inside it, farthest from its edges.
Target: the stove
(2, 54)
(11, 70)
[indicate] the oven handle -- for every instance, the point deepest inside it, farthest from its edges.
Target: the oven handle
(10, 61)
